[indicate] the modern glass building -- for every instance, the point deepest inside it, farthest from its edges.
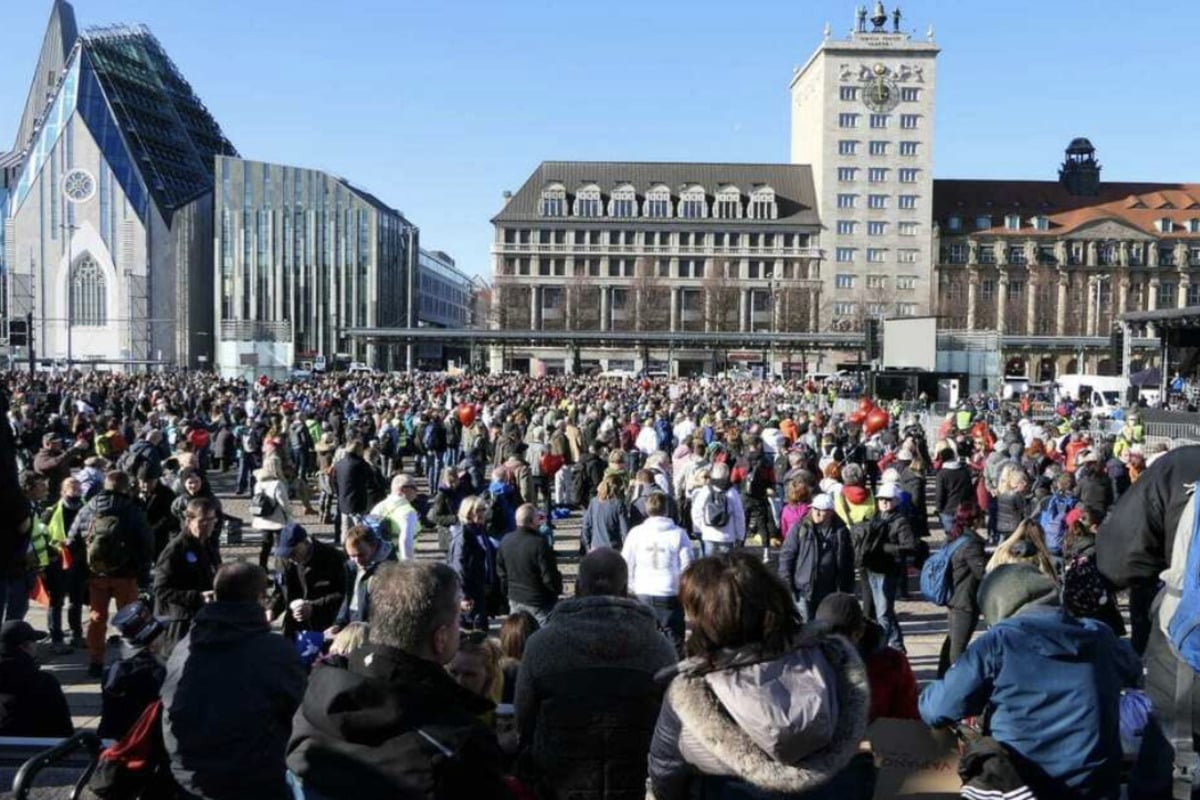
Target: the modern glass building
(445, 300)
(300, 257)
(108, 207)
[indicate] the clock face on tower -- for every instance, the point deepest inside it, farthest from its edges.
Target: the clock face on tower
(879, 92)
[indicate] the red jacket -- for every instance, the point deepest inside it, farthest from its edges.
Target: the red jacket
(893, 685)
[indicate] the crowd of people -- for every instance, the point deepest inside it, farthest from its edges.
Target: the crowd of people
(733, 628)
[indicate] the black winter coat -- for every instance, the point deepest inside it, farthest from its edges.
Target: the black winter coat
(967, 565)
(806, 548)
(587, 701)
(1095, 491)
(231, 689)
(354, 480)
(184, 571)
(953, 487)
(324, 586)
(528, 569)
(392, 726)
(473, 556)
(887, 538)
(914, 483)
(129, 686)
(31, 701)
(1011, 509)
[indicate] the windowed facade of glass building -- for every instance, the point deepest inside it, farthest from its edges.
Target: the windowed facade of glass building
(300, 257)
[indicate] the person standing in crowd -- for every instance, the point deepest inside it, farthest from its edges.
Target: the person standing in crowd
(798, 499)
(714, 735)
(119, 547)
(515, 632)
(656, 553)
(528, 568)
(443, 510)
(58, 519)
(1026, 545)
(1011, 500)
(952, 487)
(817, 558)
(717, 513)
(311, 585)
(1093, 485)
(156, 501)
(403, 519)
(32, 702)
(472, 555)
(249, 453)
(394, 719)
(1053, 684)
(52, 462)
(582, 736)
(888, 538)
(227, 738)
(606, 521)
(135, 681)
(967, 566)
(270, 509)
(354, 480)
(365, 553)
(183, 574)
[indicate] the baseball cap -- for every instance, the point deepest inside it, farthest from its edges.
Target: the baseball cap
(17, 632)
(138, 624)
(887, 491)
(290, 535)
(823, 502)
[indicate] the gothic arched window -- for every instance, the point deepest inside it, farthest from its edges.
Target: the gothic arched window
(89, 294)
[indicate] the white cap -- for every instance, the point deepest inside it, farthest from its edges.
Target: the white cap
(887, 491)
(891, 475)
(823, 502)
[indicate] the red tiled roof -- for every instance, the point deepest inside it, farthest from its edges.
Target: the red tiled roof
(1140, 205)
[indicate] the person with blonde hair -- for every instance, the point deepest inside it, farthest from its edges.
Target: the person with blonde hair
(476, 666)
(271, 505)
(1026, 545)
(606, 520)
(1012, 500)
(350, 638)
(472, 555)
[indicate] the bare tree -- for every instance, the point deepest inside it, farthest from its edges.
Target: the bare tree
(722, 299)
(583, 298)
(651, 297)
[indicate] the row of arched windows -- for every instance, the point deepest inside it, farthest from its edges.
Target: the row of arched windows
(658, 203)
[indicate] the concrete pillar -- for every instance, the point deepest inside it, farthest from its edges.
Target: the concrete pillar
(1092, 321)
(1123, 294)
(1060, 310)
(675, 308)
(1092, 254)
(1152, 298)
(708, 311)
(1001, 299)
(535, 307)
(1031, 304)
(604, 314)
(743, 309)
(972, 297)
(1152, 254)
(1185, 282)
(814, 311)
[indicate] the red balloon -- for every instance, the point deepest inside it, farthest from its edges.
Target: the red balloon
(877, 420)
(865, 404)
(857, 417)
(466, 415)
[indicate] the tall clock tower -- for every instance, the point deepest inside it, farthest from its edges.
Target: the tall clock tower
(862, 116)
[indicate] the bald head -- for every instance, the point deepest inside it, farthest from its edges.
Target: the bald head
(602, 572)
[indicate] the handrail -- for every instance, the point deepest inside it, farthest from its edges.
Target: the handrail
(84, 740)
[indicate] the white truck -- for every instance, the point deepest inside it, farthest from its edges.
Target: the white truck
(1102, 395)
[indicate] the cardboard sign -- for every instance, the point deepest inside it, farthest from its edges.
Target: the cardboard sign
(913, 761)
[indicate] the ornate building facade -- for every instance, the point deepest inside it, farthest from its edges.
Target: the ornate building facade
(1063, 258)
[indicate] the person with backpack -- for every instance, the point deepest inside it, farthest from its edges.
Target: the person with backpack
(953, 486)
(399, 513)
(717, 513)
(270, 507)
(1087, 593)
(120, 548)
(1053, 514)
(960, 564)
(817, 558)
(757, 482)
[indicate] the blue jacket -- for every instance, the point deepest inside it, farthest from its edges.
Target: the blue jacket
(504, 494)
(1055, 683)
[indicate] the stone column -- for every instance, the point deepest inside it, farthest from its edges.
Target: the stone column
(1151, 254)
(1060, 311)
(743, 308)
(675, 309)
(1092, 318)
(1091, 254)
(1152, 298)
(1001, 299)
(708, 310)
(1123, 253)
(535, 307)
(1030, 304)
(604, 300)
(814, 310)
(1122, 293)
(972, 297)
(1185, 283)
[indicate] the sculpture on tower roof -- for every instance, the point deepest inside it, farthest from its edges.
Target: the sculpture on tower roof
(861, 19)
(880, 17)
(896, 15)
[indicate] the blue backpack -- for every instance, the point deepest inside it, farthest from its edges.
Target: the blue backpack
(937, 584)
(1052, 520)
(1184, 628)
(380, 527)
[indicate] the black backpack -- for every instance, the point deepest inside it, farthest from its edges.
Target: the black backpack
(262, 504)
(716, 508)
(108, 546)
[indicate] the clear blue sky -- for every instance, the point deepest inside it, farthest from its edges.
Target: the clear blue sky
(437, 107)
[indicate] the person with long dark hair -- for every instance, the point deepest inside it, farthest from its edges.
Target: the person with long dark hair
(967, 565)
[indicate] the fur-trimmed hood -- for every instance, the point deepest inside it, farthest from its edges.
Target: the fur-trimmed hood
(716, 744)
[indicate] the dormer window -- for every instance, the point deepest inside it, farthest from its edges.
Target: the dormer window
(1165, 225)
(1041, 223)
(728, 204)
(983, 222)
(554, 201)
(692, 203)
(658, 203)
(1012, 222)
(587, 201)
(623, 202)
(762, 204)
(954, 224)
